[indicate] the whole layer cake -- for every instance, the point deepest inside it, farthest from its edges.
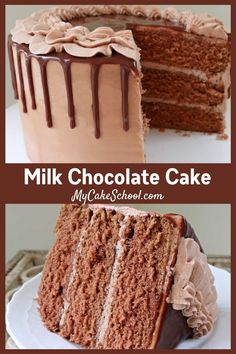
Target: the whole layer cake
(119, 278)
(77, 71)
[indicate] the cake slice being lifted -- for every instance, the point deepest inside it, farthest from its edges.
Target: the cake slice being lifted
(119, 278)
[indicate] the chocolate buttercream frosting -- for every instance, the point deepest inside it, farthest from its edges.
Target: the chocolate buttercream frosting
(53, 30)
(127, 66)
(193, 291)
(176, 326)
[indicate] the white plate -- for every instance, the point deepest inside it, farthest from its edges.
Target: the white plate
(26, 329)
(165, 147)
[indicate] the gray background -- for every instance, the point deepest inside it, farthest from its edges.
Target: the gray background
(30, 226)
(14, 12)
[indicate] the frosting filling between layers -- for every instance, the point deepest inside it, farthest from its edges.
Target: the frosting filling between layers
(66, 304)
(189, 294)
(193, 291)
(121, 269)
(103, 323)
(222, 77)
(218, 108)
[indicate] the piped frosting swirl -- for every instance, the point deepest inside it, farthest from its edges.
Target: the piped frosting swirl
(201, 24)
(49, 31)
(193, 291)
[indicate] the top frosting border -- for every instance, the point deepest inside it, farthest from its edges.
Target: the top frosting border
(49, 31)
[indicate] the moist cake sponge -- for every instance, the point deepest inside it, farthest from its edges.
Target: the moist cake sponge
(119, 278)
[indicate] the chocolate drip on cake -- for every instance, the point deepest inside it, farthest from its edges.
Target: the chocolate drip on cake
(43, 69)
(12, 68)
(22, 87)
(174, 329)
(186, 229)
(30, 80)
(124, 89)
(69, 92)
(65, 60)
(95, 105)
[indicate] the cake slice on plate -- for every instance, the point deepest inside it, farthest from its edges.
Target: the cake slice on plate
(119, 278)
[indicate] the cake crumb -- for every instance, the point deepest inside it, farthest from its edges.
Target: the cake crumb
(161, 130)
(222, 137)
(183, 132)
(186, 134)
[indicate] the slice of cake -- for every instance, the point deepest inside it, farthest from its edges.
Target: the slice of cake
(119, 278)
(79, 82)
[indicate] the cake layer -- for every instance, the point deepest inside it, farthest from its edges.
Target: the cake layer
(142, 280)
(181, 117)
(58, 265)
(182, 50)
(163, 38)
(185, 88)
(197, 66)
(85, 293)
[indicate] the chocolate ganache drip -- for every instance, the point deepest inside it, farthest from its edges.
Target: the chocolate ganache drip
(12, 68)
(22, 88)
(43, 69)
(69, 92)
(124, 89)
(95, 68)
(126, 66)
(30, 80)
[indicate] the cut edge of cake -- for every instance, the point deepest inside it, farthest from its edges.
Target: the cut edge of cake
(112, 241)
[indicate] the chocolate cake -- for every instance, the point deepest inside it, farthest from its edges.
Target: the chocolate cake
(119, 278)
(79, 82)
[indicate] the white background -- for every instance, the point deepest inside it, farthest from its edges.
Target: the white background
(30, 226)
(14, 12)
